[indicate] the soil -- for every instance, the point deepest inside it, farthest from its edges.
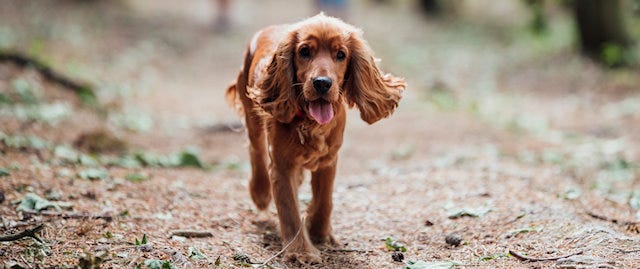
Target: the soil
(503, 141)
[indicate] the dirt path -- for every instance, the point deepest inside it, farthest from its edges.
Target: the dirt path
(507, 147)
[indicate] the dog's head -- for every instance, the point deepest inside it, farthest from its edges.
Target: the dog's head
(321, 63)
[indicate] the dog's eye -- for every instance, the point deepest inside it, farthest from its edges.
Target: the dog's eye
(305, 52)
(341, 55)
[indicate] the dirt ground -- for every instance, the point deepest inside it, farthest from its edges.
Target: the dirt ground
(507, 141)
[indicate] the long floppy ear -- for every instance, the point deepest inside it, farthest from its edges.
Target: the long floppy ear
(275, 93)
(375, 93)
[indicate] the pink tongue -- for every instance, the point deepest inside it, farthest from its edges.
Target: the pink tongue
(321, 111)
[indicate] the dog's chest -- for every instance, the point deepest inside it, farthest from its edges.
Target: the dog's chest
(317, 150)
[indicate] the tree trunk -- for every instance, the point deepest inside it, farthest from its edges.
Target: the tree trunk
(601, 23)
(431, 7)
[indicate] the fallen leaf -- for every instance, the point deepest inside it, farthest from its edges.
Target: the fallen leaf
(196, 254)
(33, 202)
(93, 174)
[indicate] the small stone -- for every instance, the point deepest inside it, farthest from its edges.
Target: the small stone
(397, 256)
(428, 223)
(453, 240)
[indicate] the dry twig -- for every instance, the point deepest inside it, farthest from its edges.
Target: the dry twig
(26, 233)
(532, 259)
(83, 90)
(191, 233)
(64, 215)
(612, 220)
(347, 250)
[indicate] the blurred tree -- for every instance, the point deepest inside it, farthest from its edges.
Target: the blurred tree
(538, 23)
(604, 34)
(438, 7)
(431, 7)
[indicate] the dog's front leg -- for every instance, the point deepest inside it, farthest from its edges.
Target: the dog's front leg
(294, 239)
(319, 221)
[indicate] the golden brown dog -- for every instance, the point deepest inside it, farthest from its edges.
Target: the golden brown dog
(293, 89)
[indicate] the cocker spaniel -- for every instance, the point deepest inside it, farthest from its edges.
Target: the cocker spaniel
(293, 90)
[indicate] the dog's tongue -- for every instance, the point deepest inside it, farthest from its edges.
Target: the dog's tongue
(321, 111)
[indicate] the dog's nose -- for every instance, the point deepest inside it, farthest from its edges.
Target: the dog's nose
(322, 84)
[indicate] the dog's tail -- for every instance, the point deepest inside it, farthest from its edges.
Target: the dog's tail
(232, 98)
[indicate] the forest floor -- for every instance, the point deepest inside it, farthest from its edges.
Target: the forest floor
(503, 140)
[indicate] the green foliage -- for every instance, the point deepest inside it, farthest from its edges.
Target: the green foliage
(141, 242)
(24, 142)
(394, 245)
(189, 157)
(186, 158)
(87, 97)
(136, 177)
(158, 264)
(4, 172)
(612, 54)
(538, 24)
(4, 99)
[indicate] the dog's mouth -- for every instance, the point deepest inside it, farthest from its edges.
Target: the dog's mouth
(321, 111)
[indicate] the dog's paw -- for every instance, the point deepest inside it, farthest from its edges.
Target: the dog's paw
(310, 256)
(327, 241)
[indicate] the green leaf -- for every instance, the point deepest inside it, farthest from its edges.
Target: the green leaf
(612, 54)
(4, 99)
(432, 265)
(136, 177)
(94, 174)
(87, 96)
(394, 245)
(158, 264)
(189, 157)
(4, 172)
(144, 239)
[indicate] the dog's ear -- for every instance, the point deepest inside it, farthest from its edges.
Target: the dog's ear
(375, 93)
(275, 92)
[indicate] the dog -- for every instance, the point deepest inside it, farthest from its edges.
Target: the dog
(293, 91)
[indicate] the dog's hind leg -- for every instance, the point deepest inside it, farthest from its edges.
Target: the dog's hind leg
(259, 185)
